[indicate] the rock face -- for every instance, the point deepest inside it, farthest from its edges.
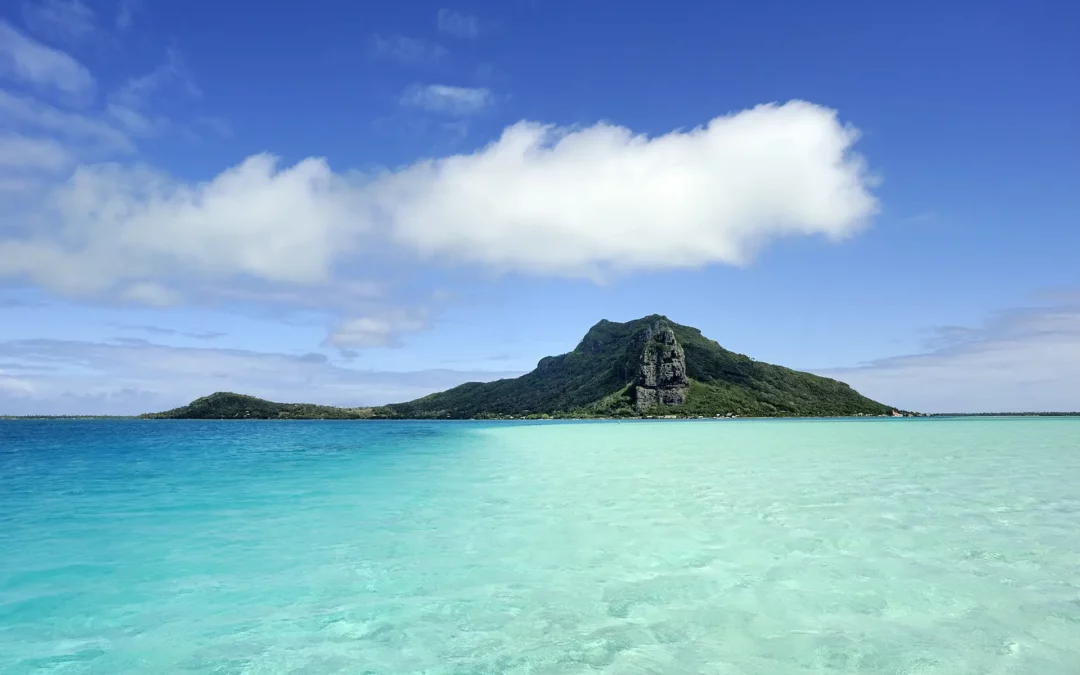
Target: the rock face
(661, 374)
(646, 366)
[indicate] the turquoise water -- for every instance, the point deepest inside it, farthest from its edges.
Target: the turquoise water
(876, 546)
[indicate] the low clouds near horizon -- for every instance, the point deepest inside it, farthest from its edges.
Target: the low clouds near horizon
(1021, 360)
(132, 376)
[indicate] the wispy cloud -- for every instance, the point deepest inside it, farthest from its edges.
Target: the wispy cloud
(28, 61)
(63, 20)
(17, 150)
(458, 24)
(1025, 359)
(406, 50)
(150, 293)
(447, 99)
(125, 14)
(173, 73)
(41, 137)
(383, 329)
(921, 218)
(73, 377)
(133, 104)
(17, 185)
(86, 130)
(133, 121)
(218, 126)
(19, 302)
(158, 330)
(138, 106)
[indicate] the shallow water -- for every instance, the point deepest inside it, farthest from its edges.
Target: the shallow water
(871, 546)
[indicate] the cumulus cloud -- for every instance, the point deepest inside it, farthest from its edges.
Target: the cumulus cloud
(381, 330)
(584, 201)
(443, 98)
(26, 60)
(1021, 360)
(113, 224)
(67, 20)
(542, 200)
(458, 24)
(73, 377)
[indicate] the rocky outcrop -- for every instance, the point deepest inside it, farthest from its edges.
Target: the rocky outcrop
(661, 373)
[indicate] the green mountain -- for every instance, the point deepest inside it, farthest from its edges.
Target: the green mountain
(651, 366)
(648, 367)
(227, 405)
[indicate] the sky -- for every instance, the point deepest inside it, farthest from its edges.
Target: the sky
(361, 203)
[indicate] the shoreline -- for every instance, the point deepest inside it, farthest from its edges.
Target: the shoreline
(658, 418)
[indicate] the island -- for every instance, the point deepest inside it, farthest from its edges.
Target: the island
(651, 367)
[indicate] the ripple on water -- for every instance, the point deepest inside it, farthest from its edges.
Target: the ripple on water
(439, 549)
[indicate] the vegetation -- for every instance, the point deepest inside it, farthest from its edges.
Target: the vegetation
(227, 405)
(594, 380)
(66, 417)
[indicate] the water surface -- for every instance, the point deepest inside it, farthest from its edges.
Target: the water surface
(871, 546)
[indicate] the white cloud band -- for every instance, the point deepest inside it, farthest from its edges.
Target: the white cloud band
(539, 200)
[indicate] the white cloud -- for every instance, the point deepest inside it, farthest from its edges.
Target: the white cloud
(407, 50)
(134, 121)
(1020, 361)
(150, 293)
(21, 185)
(97, 134)
(541, 200)
(9, 384)
(114, 224)
(457, 24)
(67, 20)
(40, 137)
(135, 376)
(26, 60)
(447, 99)
(19, 151)
(338, 296)
(133, 106)
(172, 332)
(589, 200)
(381, 330)
(173, 73)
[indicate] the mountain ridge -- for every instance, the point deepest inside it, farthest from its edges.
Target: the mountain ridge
(648, 367)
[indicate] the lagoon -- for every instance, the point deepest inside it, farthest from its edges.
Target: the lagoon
(737, 546)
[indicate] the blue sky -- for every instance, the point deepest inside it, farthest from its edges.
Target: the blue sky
(357, 203)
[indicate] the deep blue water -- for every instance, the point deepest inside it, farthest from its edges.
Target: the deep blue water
(880, 546)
